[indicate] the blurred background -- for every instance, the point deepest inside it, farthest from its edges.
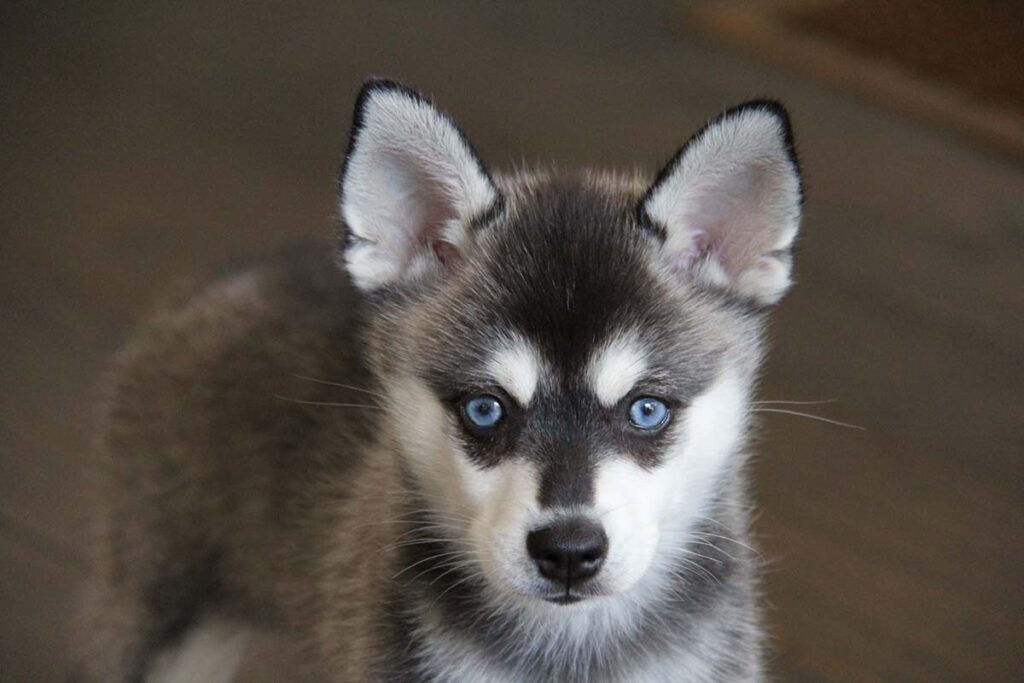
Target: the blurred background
(145, 142)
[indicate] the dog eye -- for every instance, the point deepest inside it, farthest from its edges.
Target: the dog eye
(482, 411)
(648, 413)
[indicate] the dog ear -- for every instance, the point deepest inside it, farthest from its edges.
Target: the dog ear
(728, 205)
(410, 186)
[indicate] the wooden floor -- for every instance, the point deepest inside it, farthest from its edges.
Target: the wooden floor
(144, 142)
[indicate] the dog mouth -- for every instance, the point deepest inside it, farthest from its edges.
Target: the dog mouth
(571, 595)
(565, 599)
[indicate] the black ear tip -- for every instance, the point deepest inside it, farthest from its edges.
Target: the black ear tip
(372, 87)
(778, 111)
(375, 84)
(766, 106)
(379, 85)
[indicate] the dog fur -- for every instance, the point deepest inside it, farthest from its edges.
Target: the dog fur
(285, 448)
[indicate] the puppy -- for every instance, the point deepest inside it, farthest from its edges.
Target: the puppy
(498, 435)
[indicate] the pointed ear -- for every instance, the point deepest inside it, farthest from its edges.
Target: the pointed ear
(728, 205)
(410, 186)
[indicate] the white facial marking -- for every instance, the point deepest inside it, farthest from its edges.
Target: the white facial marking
(647, 512)
(506, 498)
(516, 367)
(498, 503)
(715, 424)
(626, 499)
(616, 368)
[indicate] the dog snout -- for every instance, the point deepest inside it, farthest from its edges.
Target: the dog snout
(568, 551)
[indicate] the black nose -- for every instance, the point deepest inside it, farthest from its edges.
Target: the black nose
(569, 551)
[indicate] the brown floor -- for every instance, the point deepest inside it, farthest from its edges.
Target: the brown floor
(141, 144)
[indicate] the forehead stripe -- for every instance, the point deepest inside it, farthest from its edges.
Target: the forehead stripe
(516, 368)
(616, 368)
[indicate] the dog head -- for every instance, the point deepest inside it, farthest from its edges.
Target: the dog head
(567, 359)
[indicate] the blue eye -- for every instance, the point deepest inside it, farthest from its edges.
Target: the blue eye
(482, 411)
(648, 413)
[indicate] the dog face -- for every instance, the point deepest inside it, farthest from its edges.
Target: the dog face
(567, 360)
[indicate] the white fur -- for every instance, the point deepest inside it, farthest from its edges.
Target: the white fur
(671, 668)
(517, 368)
(504, 515)
(583, 625)
(649, 511)
(495, 506)
(211, 652)
(648, 514)
(411, 183)
(730, 203)
(422, 427)
(616, 368)
(455, 660)
(635, 505)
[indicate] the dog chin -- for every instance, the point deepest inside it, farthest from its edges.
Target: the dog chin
(543, 593)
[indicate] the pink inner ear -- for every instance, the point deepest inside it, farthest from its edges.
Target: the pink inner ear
(428, 229)
(700, 245)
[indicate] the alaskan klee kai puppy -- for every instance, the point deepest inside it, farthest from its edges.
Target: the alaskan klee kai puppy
(498, 436)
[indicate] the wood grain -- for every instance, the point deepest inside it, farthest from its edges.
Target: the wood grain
(762, 26)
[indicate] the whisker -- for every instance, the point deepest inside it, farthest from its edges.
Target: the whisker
(706, 534)
(401, 542)
(454, 564)
(696, 567)
(413, 525)
(691, 553)
(447, 525)
(704, 541)
(337, 384)
(421, 529)
(454, 585)
(451, 564)
(427, 512)
(800, 403)
(421, 541)
(810, 417)
(437, 556)
(327, 404)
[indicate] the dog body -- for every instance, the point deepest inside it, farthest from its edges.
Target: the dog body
(507, 444)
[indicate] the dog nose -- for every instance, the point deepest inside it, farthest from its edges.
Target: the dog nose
(569, 551)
